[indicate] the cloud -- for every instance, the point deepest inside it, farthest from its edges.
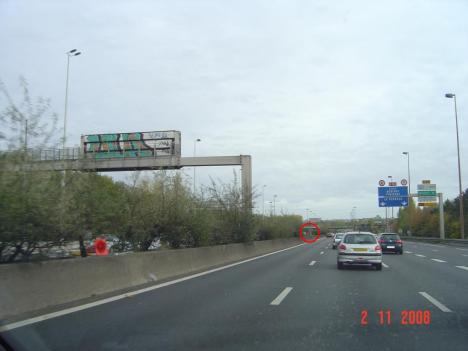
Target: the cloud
(324, 95)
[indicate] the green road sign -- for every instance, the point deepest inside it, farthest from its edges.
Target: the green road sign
(427, 193)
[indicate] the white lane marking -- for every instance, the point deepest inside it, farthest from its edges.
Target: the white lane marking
(321, 252)
(440, 305)
(385, 265)
(133, 293)
(437, 260)
(420, 255)
(409, 251)
(458, 248)
(312, 263)
(433, 245)
(462, 267)
(281, 296)
(465, 255)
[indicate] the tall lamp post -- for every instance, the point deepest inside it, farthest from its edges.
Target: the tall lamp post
(386, 209)
(69, 54)
(462, 217)
(263, 201)
(353, 217)
(409, 174)
(391, 180)
(194, 154)
(409, 189)
(307, 214)
(274, 204)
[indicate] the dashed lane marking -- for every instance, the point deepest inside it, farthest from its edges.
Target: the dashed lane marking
(438, 304)
(281, 296)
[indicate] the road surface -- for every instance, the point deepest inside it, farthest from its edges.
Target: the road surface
(292, 300)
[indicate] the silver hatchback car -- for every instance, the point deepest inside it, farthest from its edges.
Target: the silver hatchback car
(336, 240)
(359, 248)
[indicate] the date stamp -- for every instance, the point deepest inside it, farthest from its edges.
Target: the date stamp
(407, 317)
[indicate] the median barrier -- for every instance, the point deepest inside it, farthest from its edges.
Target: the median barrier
(29, 287)
(435, 240)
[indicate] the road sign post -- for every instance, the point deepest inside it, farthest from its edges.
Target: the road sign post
(427, 194)
(393, 196)
(441, 216)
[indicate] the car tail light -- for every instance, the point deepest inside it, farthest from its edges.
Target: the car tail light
(378, 248)
(342, 247)
(399, 242)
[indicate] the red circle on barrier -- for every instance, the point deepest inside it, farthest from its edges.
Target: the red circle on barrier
(100, 247)
(301, 234)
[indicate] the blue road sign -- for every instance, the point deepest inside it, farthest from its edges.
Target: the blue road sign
(393, 196)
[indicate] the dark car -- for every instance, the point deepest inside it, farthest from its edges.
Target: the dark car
(391, 242)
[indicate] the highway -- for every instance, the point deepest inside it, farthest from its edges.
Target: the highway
(295, 299)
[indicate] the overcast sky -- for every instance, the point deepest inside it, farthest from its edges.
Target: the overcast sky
(325, 95)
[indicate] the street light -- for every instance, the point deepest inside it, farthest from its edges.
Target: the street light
(69, 54)
(194, 154)
(409, 174)
(353, 216)
(462, 217)
(263, 200)
(391, 180)
(274, 204)
(353, 213)
(409, 189)
(386, 209)
(307, 214)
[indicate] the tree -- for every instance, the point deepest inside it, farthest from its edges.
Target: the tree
(28, 202)
(28, 123)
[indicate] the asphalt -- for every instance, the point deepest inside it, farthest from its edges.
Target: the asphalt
(316, 307)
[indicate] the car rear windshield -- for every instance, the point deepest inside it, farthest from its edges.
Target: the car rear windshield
(390, 237)
(339, 236)
(359, 239)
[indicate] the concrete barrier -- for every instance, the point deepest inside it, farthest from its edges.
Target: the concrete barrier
(436, 240)
(27, 287)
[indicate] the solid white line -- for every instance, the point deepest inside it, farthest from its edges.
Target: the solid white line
(385, 265)
(312, 263)
(281, 296)
(462, 267)
(321, 252)
(409, 251)
(420, 255)
(437, 260)
(465, 255)
(133, 293)
(458, 248)
(440, 305)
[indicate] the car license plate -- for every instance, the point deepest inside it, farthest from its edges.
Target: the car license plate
(390, 247)
(360, 250)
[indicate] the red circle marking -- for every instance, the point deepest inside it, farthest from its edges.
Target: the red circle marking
(301, 234)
